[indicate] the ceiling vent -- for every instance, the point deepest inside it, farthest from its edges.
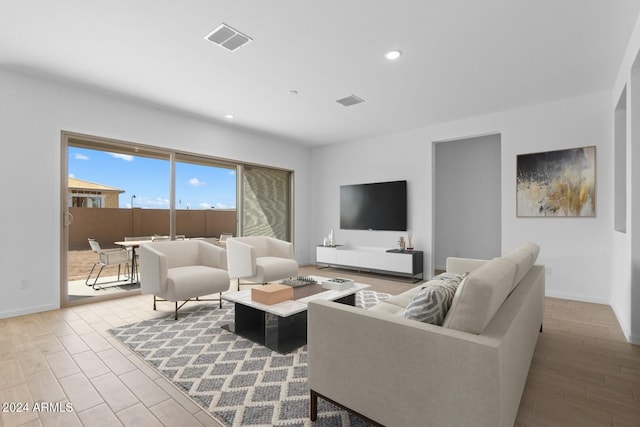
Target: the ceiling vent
(350, 100)
(228, 38)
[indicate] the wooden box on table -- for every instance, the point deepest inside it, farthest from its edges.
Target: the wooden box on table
(272, 293)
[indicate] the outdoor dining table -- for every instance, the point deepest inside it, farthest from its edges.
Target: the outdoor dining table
(133, 244)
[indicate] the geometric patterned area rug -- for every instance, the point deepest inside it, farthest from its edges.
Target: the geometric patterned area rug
(238, 381)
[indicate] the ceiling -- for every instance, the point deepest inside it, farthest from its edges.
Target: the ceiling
(461, 58)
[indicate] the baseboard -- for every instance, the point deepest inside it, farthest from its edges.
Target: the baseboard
(28, 310)
(623, 325)
(580, 298)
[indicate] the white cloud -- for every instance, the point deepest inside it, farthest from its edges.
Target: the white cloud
(126, 157)
(79, 156)
(232, 173)
(196, 182)
(224, 206)
(145, 202)
(71, 175)
(205, 205)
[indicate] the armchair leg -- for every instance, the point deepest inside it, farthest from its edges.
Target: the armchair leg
(176, 317)
(154, 302)
(313, 406)
(220, 299)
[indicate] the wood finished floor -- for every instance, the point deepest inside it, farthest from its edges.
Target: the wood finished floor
(583, 372)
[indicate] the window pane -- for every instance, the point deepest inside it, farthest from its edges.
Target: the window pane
(205, 197)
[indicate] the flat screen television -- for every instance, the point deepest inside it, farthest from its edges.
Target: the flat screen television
(375, 206)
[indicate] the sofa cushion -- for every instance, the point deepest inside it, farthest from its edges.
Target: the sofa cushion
(524, 257)
(193, 281)
(432, 302)
(480, 296)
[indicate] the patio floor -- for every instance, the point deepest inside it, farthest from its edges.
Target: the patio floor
(79, 265)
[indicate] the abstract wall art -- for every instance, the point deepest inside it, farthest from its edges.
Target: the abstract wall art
(559, 183)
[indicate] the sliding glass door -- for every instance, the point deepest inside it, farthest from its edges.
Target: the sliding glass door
(113, 191)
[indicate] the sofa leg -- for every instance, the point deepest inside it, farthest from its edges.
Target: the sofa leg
(176, 317)
(154, 302)
(313, 405)
(540, 327)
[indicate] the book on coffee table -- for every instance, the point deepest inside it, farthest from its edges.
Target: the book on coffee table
(337, 283)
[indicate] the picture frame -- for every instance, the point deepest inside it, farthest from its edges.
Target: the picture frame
(559, 183)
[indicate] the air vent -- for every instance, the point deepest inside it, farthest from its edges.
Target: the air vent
(228, 38)
(350, 100)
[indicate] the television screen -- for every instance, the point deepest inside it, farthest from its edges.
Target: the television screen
(376, 206)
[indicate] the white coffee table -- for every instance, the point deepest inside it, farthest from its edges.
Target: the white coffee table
(283, 326)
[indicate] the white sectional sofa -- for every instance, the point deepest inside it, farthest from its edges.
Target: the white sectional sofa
(400, 372)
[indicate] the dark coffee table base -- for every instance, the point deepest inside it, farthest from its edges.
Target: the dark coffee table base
(282, 334)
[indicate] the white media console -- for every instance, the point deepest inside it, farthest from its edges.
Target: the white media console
(374, 259)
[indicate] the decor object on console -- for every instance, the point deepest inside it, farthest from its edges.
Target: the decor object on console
(329, 240)
(469, 372)
(260, 259)
(557, 183)
(179, 270)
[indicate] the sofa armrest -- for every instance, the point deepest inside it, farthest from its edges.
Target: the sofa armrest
(241, 259)
(280, 248)
(402, 372)
(212, 255)
(153, 271)
(463, 265)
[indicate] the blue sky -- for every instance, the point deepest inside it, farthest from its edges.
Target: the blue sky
(197, 187)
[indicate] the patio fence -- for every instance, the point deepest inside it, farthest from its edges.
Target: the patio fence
(108, 225)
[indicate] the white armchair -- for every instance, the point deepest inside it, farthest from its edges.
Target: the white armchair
(180, 270)
(260, 259)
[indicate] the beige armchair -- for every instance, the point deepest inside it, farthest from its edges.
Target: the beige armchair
(260, 259)
(181, 270)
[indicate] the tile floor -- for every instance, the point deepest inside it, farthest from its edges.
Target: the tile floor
(67, 357)
(583, 372)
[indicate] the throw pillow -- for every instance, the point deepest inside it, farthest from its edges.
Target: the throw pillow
(431, 303)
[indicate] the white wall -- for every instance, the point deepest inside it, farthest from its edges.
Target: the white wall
(576, 250)
(33, 112)
(467, 199)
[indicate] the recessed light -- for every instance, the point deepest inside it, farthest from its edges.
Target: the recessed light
(229, 116)
(293, 92)
(393, 54)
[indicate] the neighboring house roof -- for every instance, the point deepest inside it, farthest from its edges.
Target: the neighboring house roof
(78, 184)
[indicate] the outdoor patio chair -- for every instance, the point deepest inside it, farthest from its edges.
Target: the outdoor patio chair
(222, 241)
(107, 257)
